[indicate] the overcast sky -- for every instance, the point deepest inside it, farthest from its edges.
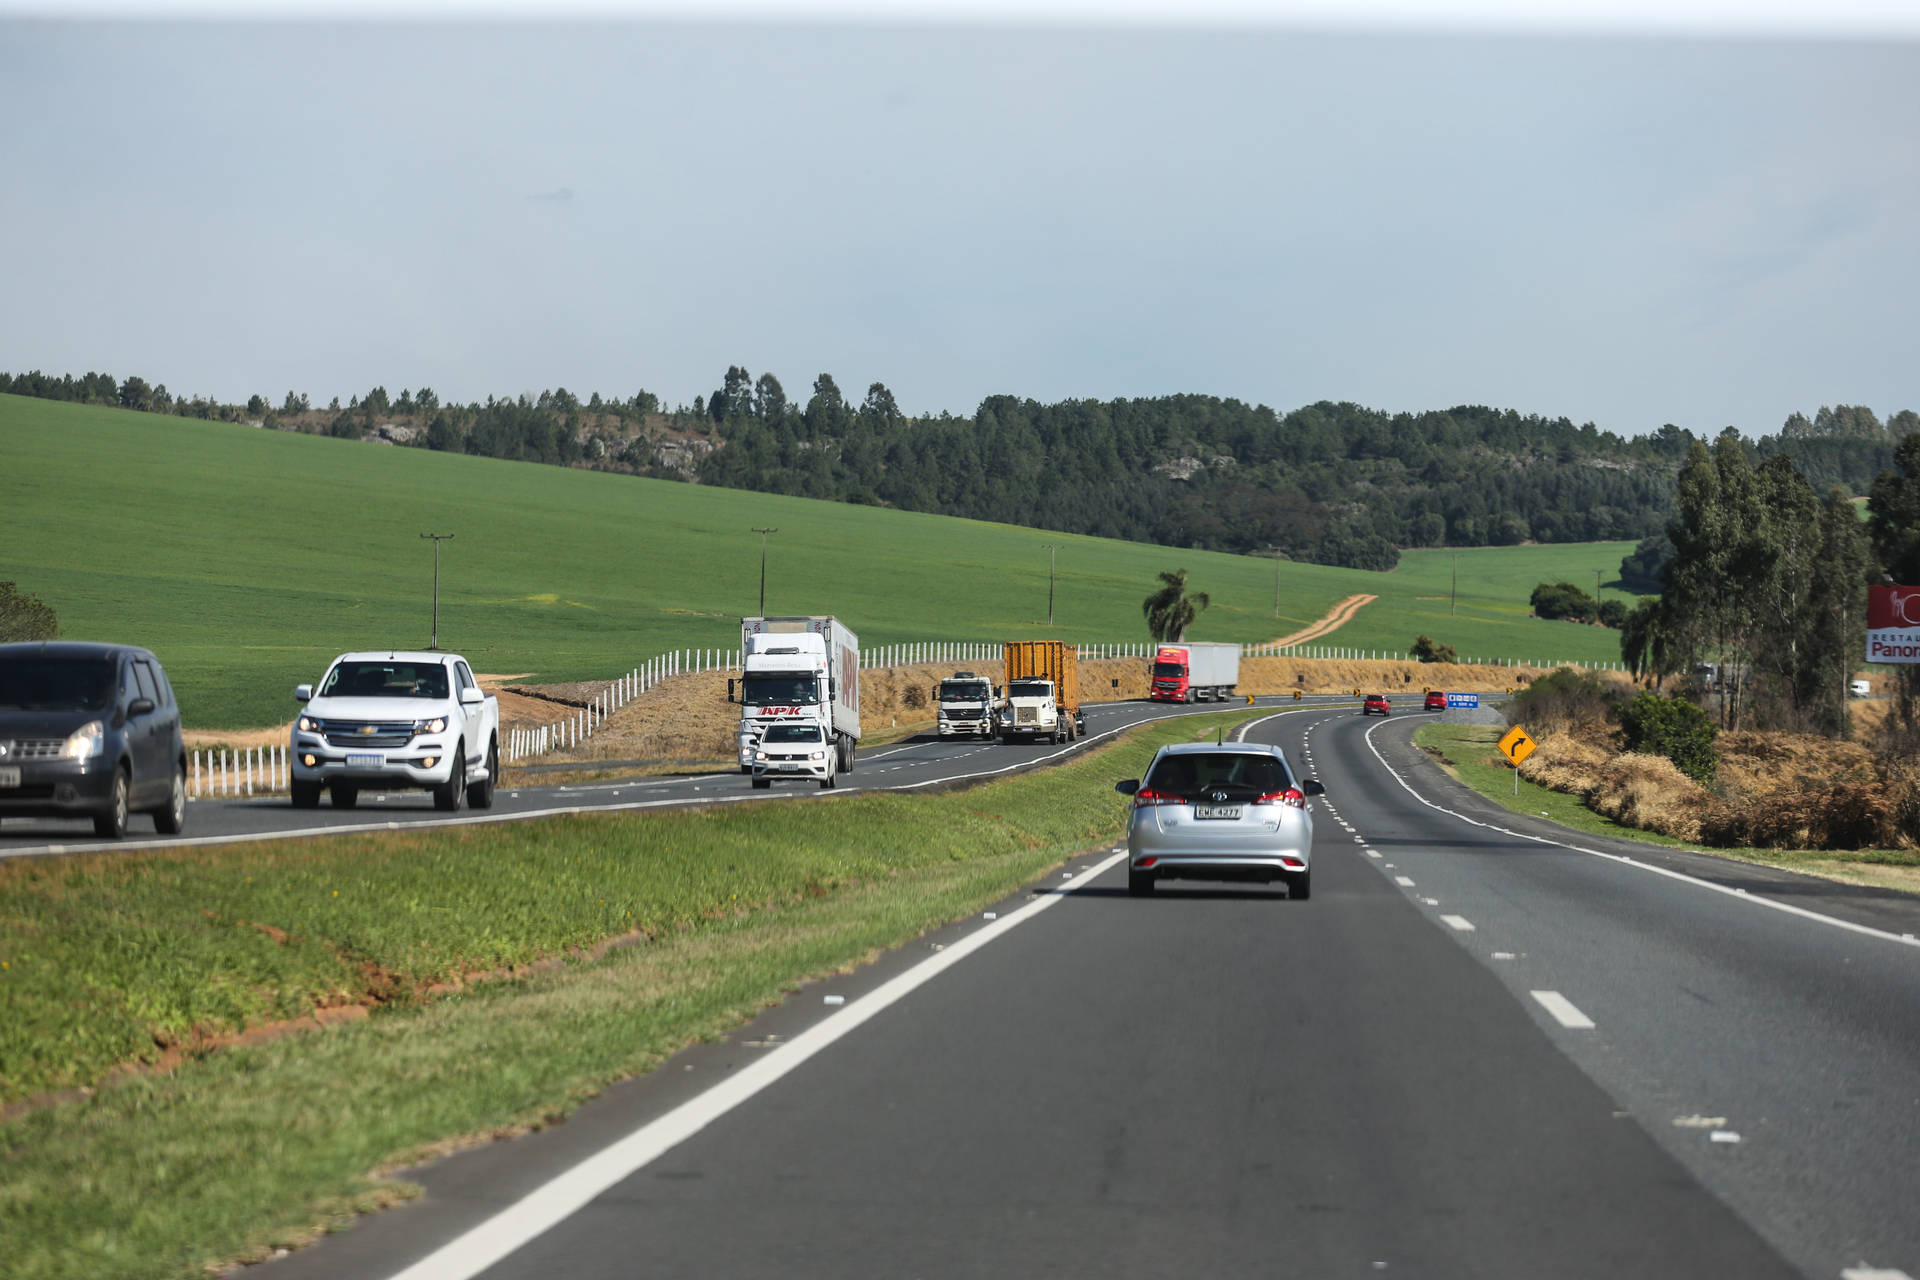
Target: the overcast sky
(1619, 226)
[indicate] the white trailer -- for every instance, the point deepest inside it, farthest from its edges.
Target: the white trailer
(1214, 668)
(798, 669)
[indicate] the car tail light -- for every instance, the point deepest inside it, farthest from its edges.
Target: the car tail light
(1147, 799)
(1292, 864)
(1292, 796)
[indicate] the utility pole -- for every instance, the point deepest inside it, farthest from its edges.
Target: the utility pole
(763, 567)
(1277, 563)
(1454, 599)
(1050, 549)
(437, 539)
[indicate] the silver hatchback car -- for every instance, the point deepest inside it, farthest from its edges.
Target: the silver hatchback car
(1231, 811)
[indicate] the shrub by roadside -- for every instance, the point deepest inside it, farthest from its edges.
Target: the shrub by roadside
(1832, 799)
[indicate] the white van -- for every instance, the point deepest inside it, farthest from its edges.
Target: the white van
(1860, 688)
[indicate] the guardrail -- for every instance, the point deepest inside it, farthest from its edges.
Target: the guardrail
(249, 771)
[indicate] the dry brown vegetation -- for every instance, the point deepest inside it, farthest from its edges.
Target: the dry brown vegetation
(1773, 790)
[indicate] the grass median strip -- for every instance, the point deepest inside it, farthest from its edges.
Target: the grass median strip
(243, 1147)
(1467, 752)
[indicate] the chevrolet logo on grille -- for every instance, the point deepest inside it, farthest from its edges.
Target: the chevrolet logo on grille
(367, 728)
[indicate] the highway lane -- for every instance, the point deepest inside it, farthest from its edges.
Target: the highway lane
(916, 763)
(1219, 1081)
(1763, 1028)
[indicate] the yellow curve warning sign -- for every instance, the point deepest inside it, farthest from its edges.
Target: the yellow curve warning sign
(1516, 745)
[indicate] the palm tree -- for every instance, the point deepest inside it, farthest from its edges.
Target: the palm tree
(1170, 610)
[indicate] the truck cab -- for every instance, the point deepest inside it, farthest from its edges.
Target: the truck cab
(1033, 711)
(797, 671)
(966, 706)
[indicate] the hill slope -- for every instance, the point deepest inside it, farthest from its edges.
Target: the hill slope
(246, 558)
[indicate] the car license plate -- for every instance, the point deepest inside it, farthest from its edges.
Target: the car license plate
(365, 757)
(10, 775)
(1216, 811)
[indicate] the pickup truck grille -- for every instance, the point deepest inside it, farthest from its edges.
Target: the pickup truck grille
(361, 733)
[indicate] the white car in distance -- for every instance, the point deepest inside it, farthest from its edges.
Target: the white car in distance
(396, 721)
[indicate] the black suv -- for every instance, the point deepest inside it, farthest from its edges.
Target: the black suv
(90, 730)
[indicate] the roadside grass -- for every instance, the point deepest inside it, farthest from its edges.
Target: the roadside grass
(233, 1150)
(223, 550)
(1467, 753)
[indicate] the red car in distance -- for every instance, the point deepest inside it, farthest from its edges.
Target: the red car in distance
(1436, 700)
(1376, 704)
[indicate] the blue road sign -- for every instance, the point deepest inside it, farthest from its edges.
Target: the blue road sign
(1463, 701)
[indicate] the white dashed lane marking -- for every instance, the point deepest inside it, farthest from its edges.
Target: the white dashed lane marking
(1563, 1010)
(1405, 882)
(1460, 923)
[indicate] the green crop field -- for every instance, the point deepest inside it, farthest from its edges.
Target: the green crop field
(247, 558)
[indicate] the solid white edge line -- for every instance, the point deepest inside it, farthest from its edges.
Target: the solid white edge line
(1563, 1010)
(561, 1196)
(1625, 861)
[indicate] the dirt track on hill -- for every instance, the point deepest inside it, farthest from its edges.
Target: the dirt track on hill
(1338, 616)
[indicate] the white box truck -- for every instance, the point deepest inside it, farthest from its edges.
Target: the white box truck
(803, 670)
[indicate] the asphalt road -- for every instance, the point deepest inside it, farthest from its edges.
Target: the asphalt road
(916, 763)
(1474, 1052)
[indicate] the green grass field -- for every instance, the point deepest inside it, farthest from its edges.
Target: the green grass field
(247, 558)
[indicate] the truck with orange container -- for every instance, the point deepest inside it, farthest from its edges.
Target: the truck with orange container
(1043, 692)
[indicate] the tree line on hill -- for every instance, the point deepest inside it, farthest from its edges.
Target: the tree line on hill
(1766, 585)
(1330, 483)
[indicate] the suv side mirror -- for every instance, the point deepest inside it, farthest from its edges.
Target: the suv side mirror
(1130, 787)
(140, 707)
(469, 696)
(303, 693)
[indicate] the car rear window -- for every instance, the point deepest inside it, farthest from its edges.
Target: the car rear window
(1231, 771)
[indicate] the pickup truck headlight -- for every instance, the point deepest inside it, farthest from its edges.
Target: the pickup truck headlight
(759, 755)
(436, 725)
(86, 742)
(307, 724)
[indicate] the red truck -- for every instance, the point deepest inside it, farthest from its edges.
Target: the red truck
(1194, 672)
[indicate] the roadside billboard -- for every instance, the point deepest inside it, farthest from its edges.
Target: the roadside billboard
(1893, 624)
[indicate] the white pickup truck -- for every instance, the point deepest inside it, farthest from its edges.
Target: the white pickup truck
(396, 721)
